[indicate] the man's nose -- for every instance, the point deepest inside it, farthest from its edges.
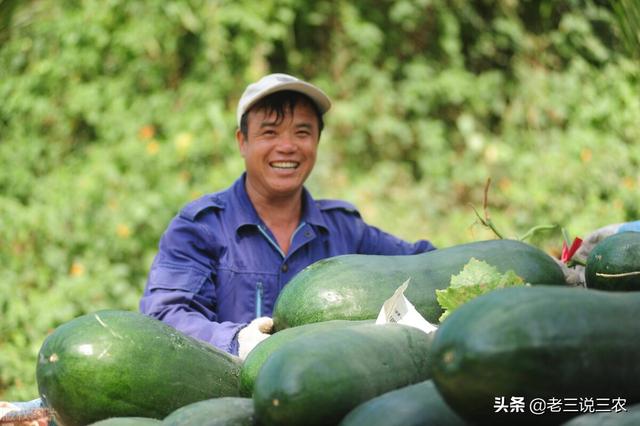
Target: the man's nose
(287, 142)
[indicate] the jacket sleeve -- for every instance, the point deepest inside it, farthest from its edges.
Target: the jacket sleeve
(367, 239)
(376, 241)
(180, 289)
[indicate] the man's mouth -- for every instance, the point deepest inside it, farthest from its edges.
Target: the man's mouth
(285, 165)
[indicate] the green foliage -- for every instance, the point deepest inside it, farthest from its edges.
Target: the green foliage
(627, 13)
(476, 278)
(113, 114)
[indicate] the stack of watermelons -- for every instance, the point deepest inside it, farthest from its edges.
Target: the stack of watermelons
(539, 354)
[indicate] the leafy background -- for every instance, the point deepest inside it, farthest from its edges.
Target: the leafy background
(113, 114)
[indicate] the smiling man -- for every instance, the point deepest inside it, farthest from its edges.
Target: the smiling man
(225, 257)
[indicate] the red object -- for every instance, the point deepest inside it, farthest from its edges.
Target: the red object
(568, 252)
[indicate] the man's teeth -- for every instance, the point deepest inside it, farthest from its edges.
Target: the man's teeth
(284, 165)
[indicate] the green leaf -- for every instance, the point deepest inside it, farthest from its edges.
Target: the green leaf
(476, 278)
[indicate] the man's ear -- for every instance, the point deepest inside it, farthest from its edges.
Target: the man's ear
(241, 141)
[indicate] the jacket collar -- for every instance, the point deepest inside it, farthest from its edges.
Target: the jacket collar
(243, 213)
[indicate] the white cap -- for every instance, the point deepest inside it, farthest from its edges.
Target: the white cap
(276, 83)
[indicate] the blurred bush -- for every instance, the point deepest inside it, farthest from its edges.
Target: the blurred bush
(113, 114)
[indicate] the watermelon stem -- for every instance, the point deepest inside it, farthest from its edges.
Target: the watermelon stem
(574, 262)
(486, 220)
(537, 229)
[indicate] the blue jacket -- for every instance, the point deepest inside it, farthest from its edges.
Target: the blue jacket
(218, 265)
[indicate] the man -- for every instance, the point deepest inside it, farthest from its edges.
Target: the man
(225, 257)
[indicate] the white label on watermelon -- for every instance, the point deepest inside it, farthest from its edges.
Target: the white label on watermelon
(398, 309)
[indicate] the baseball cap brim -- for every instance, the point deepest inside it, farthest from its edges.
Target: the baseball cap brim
(273, 83)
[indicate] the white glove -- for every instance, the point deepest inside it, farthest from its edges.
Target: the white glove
(254, 333)
(6, 407)
(30, 420)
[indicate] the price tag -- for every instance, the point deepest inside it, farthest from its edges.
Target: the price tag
(398, 309)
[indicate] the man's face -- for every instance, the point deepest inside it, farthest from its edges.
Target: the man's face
(279, 156)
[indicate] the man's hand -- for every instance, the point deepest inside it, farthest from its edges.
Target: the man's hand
(254, 333)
